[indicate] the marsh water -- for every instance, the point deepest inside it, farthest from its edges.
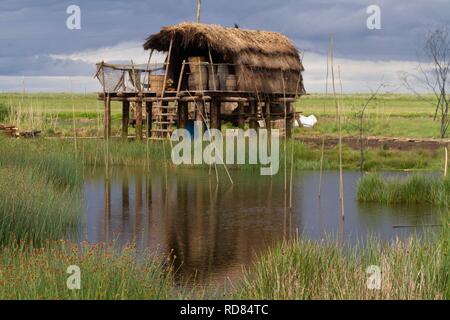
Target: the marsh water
(214, 230)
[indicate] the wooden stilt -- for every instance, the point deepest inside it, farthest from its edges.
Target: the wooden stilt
(267, 115)
(215, 114)
(148, 109)
(125, 118)
(200, 112)
(139, 120)
(253, 122)
(107, 117)
(182, 114)
(289, 120)
(241, 118)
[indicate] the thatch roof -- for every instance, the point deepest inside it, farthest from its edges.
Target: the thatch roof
(259, 49)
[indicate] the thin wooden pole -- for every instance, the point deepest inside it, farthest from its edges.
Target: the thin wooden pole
(341, 182)
(212, 69)
(167, 68)
(446, 161)
(180, 78)
(322, 153)
(199, 5)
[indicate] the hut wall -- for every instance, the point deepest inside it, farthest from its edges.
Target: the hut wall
(268, 81)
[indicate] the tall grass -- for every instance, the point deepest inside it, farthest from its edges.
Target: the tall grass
(302, 269)
(416, 189)
(41, 273)
(40, 193)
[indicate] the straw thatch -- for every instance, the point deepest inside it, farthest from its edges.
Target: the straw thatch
(261, 57)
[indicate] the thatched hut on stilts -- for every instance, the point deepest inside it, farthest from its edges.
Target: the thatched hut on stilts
(208, 66)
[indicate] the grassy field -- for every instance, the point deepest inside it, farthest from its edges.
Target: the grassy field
(97, 152)
(390, 115)
(40, 193)
(105, 273)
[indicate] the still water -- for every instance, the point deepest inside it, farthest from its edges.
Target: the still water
(215, 230)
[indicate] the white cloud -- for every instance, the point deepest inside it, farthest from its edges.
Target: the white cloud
(124, 51)
(356, 75)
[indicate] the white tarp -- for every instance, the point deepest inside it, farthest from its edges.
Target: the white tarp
(308, 122)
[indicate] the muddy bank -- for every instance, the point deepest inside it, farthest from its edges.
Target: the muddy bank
(377, 142)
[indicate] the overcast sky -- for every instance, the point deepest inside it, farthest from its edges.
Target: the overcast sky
(39, 50)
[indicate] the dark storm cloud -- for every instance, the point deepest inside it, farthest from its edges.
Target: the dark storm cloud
(31, 30)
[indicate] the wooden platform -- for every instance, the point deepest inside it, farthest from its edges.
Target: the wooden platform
(206, 105)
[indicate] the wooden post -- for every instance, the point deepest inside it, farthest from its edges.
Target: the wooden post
(125, 118)
(289, 119)
(182, 114)
(267, 115)
(107, 121)
(200, 112)
(149, 109)
(241, 119)
(253, 122)
(139, 120)
(215, 114)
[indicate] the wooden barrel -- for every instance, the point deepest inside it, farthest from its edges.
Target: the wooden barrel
(231, 83)
(213, 82)
(198, 83)
(213, 78)
(222, 73)
(195, 63)
(156, 83)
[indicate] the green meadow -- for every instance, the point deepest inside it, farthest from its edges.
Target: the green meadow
(388, 115)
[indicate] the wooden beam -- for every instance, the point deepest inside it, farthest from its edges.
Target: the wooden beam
(125, 119)
(195, 98)
(236, 99)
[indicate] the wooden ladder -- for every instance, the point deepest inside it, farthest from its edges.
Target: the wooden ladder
(163, 120)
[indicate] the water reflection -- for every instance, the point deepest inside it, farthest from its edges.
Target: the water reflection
(213, 230)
